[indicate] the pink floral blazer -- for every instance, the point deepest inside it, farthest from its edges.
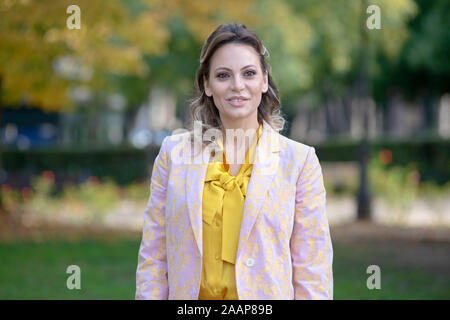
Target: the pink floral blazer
(285, 250)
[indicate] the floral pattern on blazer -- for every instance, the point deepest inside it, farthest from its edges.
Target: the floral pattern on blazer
(285, 250)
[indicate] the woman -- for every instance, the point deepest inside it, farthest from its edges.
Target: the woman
(245, 217)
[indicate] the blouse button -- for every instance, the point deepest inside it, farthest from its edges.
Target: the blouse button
(250, 262)
(217, 256)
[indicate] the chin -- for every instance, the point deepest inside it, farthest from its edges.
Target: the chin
(238, 114)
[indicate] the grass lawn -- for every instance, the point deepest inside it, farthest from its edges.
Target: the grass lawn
(31, 270)
(37, 270)
(399, 280)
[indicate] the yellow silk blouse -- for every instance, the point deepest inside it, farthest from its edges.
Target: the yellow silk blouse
(223, 207)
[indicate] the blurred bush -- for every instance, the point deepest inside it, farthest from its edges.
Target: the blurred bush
(139, 190)
(122, 165)
(88, 203)
(431, 156)
(98, 197)
(398, 185)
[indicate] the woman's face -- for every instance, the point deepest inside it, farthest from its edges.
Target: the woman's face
(236, 82)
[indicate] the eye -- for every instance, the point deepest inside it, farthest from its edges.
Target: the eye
(250, 73)
(219, 75)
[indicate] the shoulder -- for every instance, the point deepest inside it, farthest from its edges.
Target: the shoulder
(295, 150)
(177, 148)
(298, 155)
(174, 140)
(293, 146)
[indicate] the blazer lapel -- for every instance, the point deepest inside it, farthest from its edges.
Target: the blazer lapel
(264, 169)
(195, 181)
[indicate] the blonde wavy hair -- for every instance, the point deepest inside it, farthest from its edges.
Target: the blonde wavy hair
(202, 107)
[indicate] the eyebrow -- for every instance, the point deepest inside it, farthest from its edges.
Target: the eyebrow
(250, 65)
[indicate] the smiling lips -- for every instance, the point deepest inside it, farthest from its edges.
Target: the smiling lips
(237, 101)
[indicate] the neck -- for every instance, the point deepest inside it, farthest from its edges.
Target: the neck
(240, 135)
(232, 128)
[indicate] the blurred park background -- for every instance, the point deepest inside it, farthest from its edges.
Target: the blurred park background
(83, 112)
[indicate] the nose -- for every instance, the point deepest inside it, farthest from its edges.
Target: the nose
(238, 84)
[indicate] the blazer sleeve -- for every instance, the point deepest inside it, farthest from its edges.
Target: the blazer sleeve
(151, 274)
(311, 248)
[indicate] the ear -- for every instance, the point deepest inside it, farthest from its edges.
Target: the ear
(206, 85)
(266, 82)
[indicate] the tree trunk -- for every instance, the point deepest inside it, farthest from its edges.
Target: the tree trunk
(364, 210)
(2, 206)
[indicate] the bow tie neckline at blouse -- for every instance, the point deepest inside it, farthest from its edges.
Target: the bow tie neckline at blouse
(227, 193)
